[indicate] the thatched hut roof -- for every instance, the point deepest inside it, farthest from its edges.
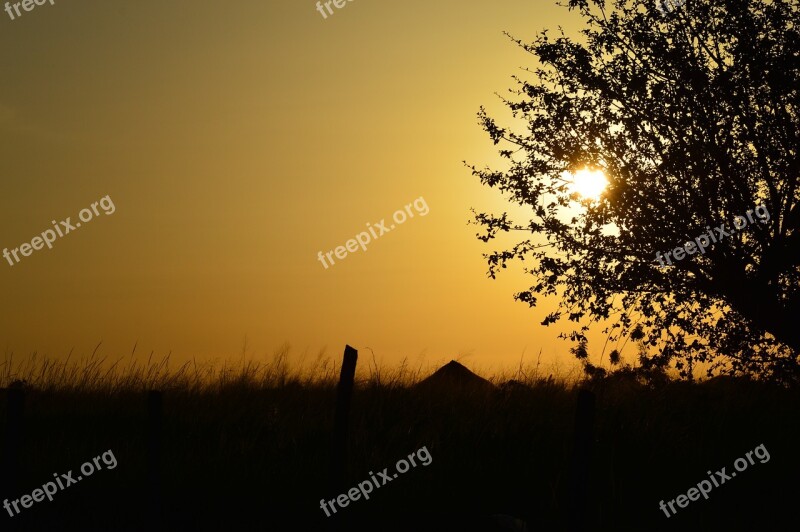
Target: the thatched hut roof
(454, 374)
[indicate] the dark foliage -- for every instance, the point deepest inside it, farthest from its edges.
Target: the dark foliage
(692, 114)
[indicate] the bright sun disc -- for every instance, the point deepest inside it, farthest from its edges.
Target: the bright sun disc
(589, 184)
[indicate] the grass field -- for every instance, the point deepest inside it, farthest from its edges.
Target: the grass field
(248, 448)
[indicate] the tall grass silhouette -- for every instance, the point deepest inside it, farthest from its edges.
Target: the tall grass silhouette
(246, 445)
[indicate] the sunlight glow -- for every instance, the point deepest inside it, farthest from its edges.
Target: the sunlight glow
(589, 184)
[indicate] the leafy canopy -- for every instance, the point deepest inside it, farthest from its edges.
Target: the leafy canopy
(692, 114)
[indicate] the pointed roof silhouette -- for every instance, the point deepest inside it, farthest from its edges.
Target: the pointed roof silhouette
(455, 374)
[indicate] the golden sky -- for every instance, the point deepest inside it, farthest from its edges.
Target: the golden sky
(236, 141)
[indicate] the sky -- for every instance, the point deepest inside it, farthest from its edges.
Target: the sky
(236, 142)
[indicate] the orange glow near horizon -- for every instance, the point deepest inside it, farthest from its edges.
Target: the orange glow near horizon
(236, 145)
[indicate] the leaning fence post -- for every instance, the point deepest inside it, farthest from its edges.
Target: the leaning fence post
(154, 429)
(581, 462)
(344, 392)
(15, 409)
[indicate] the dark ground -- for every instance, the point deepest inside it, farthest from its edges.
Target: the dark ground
(243, 457)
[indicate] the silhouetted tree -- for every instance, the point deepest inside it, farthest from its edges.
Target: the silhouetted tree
(692, 114)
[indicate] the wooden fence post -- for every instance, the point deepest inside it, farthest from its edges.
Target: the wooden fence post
(344, 392)
(12, 448)
(12, 452)
(154, 437)
(581, 462)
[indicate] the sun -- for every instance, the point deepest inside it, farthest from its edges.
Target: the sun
(589, 184)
